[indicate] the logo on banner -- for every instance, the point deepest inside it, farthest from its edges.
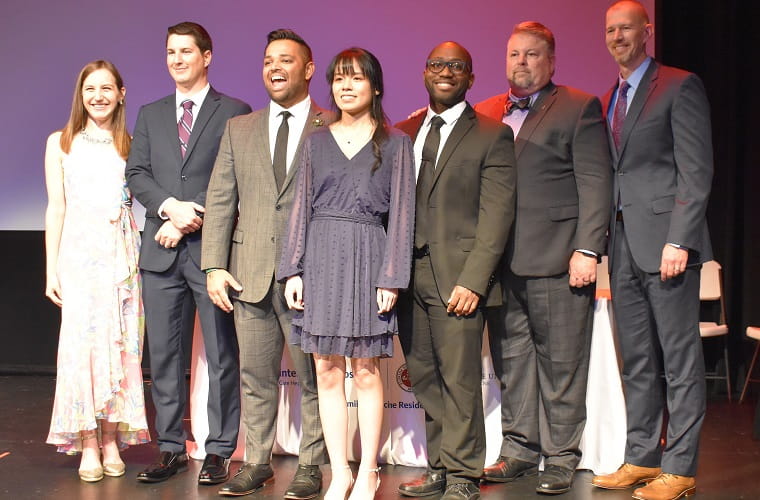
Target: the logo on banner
(402, 378)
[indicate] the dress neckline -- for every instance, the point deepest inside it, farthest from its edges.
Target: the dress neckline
(337, 144)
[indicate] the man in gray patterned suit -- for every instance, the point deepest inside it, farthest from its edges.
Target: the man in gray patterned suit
(247, 207)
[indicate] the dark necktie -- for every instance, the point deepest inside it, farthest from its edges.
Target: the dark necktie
(185, 125)
(618, 116)
(281, 150)
(425, 177)
(518, 104)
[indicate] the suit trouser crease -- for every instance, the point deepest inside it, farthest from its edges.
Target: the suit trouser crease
(262, 328)
(165, 296)
(658, 332)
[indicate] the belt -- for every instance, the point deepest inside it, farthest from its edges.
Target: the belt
(421, 252)
(619, 216)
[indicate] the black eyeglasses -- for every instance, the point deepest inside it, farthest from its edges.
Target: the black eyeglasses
(437, 65)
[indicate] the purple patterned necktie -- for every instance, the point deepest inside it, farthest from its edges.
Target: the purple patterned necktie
(618, 117)
(185, 125)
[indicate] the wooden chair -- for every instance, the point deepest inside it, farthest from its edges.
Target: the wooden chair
(711, 290)
(753, 332)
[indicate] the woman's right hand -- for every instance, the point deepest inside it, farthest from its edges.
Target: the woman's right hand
(294, 293)
(53, 291)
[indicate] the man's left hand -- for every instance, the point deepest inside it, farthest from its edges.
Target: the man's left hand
(673, 261)
(582, 269)
(463, 301)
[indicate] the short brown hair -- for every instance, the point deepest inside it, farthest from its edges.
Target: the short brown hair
(195, 30)
(538, 30)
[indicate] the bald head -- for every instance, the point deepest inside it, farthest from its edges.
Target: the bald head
(627, 31)
(449, 77)
(635, 8)
(454, 50)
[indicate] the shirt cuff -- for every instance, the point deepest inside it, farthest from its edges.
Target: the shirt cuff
(590, 253)
(676, 245)
(160, 210)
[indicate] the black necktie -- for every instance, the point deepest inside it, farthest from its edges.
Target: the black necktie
(518, 104)
(281, 150)
(425, 177)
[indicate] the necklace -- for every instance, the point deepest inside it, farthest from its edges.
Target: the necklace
(355, 135)
(95, 140)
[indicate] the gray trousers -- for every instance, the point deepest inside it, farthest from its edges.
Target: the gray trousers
(540, 342)
(263, 329)
(658, 332)
(443, 359)
(165, 297)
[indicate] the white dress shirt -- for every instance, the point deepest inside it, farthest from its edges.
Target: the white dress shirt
(450, 117)
(296, 124)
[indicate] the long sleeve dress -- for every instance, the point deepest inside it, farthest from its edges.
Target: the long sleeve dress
(350, 232)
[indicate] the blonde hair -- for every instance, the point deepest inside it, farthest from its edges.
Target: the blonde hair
(78, 116)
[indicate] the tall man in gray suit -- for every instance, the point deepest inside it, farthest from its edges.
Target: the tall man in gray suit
(247, 209)
(662, 155)
(169, 165)
(540, 336)
(465, 208)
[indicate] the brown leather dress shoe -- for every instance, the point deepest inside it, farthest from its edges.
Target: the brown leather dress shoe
(626, 476)
(667, 487)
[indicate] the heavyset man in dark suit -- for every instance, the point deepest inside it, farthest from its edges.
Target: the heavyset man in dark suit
(465, 207)
(540, 337)
(247, 208)
(661, 146)
(173, 152)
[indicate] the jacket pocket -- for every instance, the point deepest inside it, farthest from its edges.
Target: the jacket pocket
(563, 213)
(664, 204)
(466, 243)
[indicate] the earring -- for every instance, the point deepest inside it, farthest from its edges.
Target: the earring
(121, 102)
(377, 92)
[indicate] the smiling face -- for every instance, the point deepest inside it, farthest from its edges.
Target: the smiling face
(101, 96)
(530, 64)
(447, 88)
(287, 72)
(352, 91)
(187, 65)
(627, 32)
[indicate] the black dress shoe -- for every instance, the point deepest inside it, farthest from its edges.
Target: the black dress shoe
(554, 480)
(168, 464)
(248, 479)
(461, 491)
(430, 483)
(307, 483)
(508, 469)
(215, 470)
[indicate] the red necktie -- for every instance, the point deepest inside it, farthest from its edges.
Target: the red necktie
(618, 117)
(185, 125)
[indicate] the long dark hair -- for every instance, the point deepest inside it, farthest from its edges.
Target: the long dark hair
(368, 64)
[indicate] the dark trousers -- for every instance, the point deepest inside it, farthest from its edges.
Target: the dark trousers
(443, 355)
(164, 297)
(658, 332)
(540, 342)
(263, 329)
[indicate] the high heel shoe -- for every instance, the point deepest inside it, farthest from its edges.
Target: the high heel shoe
(96, 473)
(361, 471)
(330, 494)
(113, 469)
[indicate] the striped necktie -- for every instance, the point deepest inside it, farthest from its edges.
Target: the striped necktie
(185, 125)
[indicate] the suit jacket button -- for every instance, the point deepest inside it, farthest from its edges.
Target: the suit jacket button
(184, 177)
(278, 207)
(272, 239)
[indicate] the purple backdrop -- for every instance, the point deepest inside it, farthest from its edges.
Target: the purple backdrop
(45, 43)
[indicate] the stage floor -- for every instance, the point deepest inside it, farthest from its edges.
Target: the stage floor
(729, 459)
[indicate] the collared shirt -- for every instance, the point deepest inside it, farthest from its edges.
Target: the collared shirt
(517, 117)
(634, 80)
(197, 99)
(296, 124)
(450, 117)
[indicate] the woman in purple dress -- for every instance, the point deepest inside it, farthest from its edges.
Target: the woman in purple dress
(347, 253)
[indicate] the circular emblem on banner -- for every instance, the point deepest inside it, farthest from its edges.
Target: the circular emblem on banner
(402, 378)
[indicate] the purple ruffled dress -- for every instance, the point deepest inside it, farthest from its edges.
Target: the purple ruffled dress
(336, 239)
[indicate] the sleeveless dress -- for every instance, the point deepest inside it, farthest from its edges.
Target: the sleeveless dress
(102, 321)
(336, 239)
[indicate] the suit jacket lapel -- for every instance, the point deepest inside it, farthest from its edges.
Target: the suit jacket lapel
(313, 121)
(646, 87)
(462, 126)
(209, 107)
(170, 124)
(537, 112)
